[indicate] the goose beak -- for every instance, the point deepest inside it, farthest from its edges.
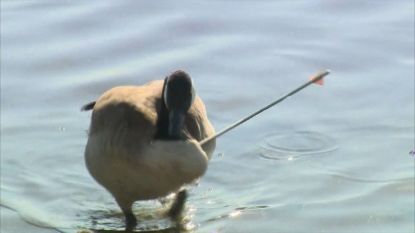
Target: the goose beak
(176, 124)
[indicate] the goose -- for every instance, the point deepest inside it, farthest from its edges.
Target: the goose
(143, 142)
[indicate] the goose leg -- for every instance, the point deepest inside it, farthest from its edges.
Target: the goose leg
(130, 220)
(178, 205)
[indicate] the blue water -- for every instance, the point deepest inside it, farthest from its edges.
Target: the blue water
(329, 159)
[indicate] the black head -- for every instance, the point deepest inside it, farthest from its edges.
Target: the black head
(178, 96)
(178, 92)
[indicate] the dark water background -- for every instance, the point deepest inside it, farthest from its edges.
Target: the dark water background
(331, 159)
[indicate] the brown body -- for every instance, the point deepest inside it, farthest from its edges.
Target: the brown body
(125, 156)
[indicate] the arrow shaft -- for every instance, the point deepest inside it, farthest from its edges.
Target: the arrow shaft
(316, 78)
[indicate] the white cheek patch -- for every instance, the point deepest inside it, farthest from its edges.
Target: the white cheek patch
(193, 91)
(165, 93)
(193, 96)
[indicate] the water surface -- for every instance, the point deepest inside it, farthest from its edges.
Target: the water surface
(331, 159)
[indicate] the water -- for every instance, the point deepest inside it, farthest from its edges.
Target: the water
(331, 159)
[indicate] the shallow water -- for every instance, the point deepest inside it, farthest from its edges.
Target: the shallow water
(331, 159)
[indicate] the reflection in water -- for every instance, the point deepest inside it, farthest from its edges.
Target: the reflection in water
(175, 229)
(150, 219)
(185, 225)
(169, 230)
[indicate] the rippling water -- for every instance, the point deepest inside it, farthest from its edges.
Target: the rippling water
(331, 159)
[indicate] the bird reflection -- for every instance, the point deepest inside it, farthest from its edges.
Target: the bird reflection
(149, 224)
(176, 229)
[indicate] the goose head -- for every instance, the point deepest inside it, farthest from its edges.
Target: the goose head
(177, 96)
